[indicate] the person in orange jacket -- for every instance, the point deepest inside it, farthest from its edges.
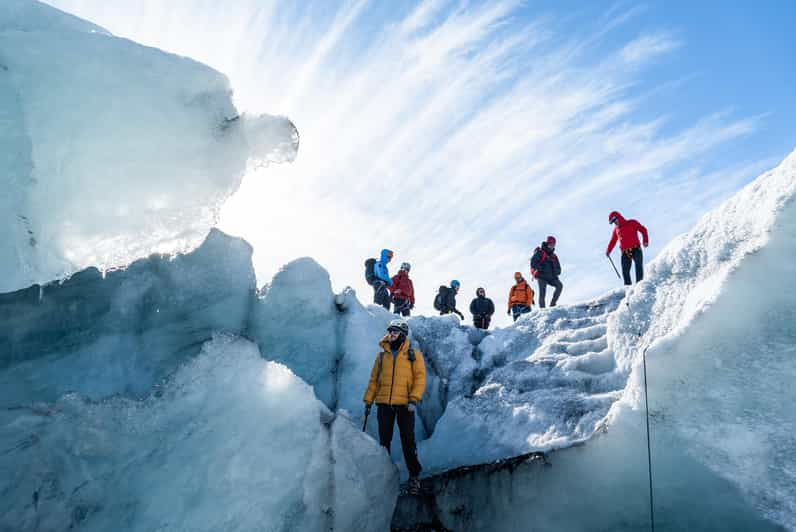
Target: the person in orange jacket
(626, 232)
(397, 383)
(520, 297)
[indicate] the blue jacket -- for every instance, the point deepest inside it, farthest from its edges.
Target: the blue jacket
(380, 269)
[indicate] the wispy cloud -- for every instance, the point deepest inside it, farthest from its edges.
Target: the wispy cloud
(648, 47)
(457, 134)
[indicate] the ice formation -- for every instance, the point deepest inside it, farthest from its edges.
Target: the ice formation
(132, 340)
(172, 394)
(111, 150)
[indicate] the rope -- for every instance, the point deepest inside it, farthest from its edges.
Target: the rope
(647, 416)
(649, 450)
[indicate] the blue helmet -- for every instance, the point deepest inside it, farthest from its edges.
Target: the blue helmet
(455, 284)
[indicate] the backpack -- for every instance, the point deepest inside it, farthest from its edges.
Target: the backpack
(439, 300)
(370, 271)
(534, 271)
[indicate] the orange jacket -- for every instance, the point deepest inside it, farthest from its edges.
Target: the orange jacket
(521, 294)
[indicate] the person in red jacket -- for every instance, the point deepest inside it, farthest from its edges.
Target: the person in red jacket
(403, 291)
(626, 232)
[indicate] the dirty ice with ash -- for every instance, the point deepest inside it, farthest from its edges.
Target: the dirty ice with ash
(174, 394)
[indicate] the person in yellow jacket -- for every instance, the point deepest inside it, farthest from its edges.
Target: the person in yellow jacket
(520, 297)
(397, 383)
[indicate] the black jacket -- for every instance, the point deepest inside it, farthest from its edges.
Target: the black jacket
(545, 262)
(482, 306)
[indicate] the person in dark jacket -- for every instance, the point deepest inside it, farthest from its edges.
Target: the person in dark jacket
(482, 309)
(626, 232)
(447, 305)
(520, 297)
(403, 291)
(546, 268)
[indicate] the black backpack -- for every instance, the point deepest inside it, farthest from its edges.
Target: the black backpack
(439, 300)
(370, 271)
(543, 257)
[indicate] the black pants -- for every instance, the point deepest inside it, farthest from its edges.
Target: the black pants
(401, 307)
(481, 321)
(543, 282)
(406, 426)
(519, 310)
(632, 255)
(380, 294)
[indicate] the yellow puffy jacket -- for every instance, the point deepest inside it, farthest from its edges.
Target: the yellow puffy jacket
(394, 380)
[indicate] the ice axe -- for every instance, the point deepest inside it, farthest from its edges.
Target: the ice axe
(614, 265)
(365, 424)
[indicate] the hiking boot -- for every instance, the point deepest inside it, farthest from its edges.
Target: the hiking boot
(413, 486)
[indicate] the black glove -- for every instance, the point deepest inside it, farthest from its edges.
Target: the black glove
(367, 409)
(508, 312)
(411, 306)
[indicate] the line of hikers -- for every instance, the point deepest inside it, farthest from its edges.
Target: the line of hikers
(398, 377)
(545, 268)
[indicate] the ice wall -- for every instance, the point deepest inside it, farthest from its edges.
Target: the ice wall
(111, 150)
(230, 442)
(122, 332)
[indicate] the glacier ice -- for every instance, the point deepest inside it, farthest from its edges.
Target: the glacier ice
(171, 394)
(124, 331)
(565, 380)
(231, 443)
(101, 140)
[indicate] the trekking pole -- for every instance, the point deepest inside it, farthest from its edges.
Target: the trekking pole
(614, 265)
(365, 424)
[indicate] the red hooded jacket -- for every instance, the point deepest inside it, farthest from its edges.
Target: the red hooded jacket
(402, 287)
(626, 232)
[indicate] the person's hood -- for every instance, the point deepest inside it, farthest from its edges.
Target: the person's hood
(617, 215)
(384, 257)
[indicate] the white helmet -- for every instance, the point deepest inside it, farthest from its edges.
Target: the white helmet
(406, 266)
(400, 324)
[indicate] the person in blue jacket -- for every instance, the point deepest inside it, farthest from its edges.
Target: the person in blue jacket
(380, 294)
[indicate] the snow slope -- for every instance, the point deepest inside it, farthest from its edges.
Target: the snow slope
(100, 140)
(557, 373)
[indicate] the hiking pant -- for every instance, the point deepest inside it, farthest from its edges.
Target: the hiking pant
(481, 321)
(401, 307)
(632, 255)
(386, 415)
(543, 282)
(518, 310)
(380, 294)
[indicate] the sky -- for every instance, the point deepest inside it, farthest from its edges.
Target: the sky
(461, 134)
